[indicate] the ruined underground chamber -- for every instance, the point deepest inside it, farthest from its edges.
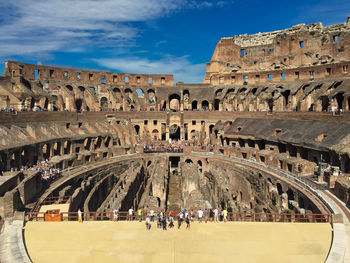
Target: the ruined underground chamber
(172, 182)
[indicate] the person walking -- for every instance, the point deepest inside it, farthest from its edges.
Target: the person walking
(200, 215)
(216, 215)
(148, 223)
(188, 224)
(115, 215)
(139, 212)
(151, 213)
(80, 216)
(131, 211)
(164, 223)
(206, 215)
(179, 220)
(224, 213)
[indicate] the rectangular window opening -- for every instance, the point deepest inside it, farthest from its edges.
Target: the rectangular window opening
(115, 78)
(335, 39)
(329, 71)
(65, 74)
(194, 122)
(150, 80)
(242, 52)
(270, 76)
(91, 76)
(78, 75)
(103, 79)
(283, 76)
(138, 79)
(51, 73)
(271, 50)
(36, 74)
(162, 80)
(301, 43)
(126, 79)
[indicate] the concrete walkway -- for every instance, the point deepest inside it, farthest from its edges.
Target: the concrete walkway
(12, 249)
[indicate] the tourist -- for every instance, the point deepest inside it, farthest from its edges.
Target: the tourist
(200, 215)
(179, 220)
(159, 220)
(148, 223)
(164, 223)
(171, 222)
(131, 211)
(139, 212)
(115, 215)
(80, 216)
(151, 212)
(192, 215)
(224, 213)
(216, 213)
(187, 222)
(206, 215)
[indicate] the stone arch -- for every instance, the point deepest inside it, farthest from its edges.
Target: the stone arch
(104, 103)
(174, 132)
(69, 87)
(174, 102)
(205, 105)
(194, 105)
(340, 100)
(188, 161)
(155, 134)
(81, 88)
(137, 129)
(324, 103)
(140, 93)
(78, 104)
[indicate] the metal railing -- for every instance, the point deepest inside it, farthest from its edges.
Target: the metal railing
(232, 216)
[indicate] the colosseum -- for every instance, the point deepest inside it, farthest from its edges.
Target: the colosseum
(265, 139)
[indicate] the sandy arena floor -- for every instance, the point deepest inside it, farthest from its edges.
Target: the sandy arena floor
(104, 242)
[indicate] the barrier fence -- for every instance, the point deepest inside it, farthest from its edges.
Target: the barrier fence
(234, 217)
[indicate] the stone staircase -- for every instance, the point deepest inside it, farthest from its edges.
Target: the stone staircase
(174, 195)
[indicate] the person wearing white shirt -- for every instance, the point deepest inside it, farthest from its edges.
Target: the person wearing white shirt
(131, 211)
(115, 215)
(151, 213)
(216, 213)
(200, 215)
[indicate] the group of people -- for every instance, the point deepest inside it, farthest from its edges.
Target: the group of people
(48, 172)
(173, 146)
(166, 220)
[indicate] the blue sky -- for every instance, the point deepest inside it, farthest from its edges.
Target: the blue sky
(144, 36)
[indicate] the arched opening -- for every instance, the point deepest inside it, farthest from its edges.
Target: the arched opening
(137, 129)
(194, 105)
(139, 93)
(340, 98)
(67, 147)
(78, 104)
(151, 96)
(174, 102)
(32, 104)
(211, 128)
(82, 89)
(205, 105)
(116, 90)
(290, 194)
(270, 104)
(186, 94)
(312, 107)
(188, 161)
(325, 103)
(286, 97)
(174, 132)
(155, 135)
(69, 87)
(279, 188)
(46, 103)
(193, 135)
(104, 103)
(218, 93)
(216, 104)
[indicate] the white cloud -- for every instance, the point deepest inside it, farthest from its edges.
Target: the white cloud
(181, 67)
(39, 26)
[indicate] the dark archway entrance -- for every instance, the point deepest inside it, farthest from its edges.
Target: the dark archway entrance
(78, 104)
(174, 132)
